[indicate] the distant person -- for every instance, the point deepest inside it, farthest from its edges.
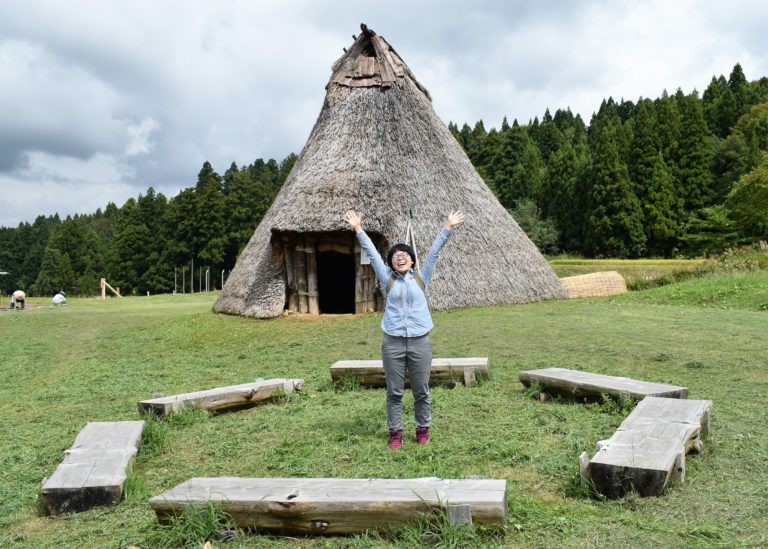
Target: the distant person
(406, 325)
(18, 299)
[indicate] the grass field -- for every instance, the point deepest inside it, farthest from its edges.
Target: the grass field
(92, 361)
(638, 273)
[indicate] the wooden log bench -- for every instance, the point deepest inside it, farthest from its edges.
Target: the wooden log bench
(649, 447)
(222, 398)
(93, 471)
(332, 505)
(445, 371)
(577, 384)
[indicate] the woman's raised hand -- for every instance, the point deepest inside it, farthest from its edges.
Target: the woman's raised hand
(454, 218)
(354, 220)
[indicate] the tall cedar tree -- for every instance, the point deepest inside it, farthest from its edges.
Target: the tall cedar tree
(695, 155)
(209, 239)
(49, 279)
(515, 169)
(560, 195)
(615, 223)
(133, 239)
(659, 219)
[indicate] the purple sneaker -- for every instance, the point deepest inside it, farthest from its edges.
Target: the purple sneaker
(422, 435)
(395, 439)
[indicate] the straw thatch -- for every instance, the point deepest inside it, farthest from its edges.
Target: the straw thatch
(594, 284)
(379, 148)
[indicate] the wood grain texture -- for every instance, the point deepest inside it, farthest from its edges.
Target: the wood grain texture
(222, 398)
(649, 447)
(445, 371)
(577, 384)
(93, 471)
(335, 506)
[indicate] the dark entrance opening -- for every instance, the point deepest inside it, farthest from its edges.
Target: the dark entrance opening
(336, 282)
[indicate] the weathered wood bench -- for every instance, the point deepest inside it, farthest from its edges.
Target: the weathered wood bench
(445, 371)
(576, 384)
(93, 471)
(222, 398)
(334, 506)
(649, 447)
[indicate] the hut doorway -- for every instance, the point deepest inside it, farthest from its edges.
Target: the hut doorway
(336, 282)
(325, 274)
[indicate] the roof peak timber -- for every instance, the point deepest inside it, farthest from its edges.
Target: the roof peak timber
(371, 62)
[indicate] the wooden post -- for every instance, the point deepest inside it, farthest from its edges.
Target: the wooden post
(301, 277)
(310, 242)
(103, 290)
(290, 275)
(359, 305)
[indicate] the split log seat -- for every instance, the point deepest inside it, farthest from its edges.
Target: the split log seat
(445, 371)
(222, 398)
(576, 384)
(649, 447)
(93, 471)
(332, 505)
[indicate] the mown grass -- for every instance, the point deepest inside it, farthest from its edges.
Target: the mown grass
(92, 361)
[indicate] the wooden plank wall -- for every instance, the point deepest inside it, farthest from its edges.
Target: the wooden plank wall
(300, 262)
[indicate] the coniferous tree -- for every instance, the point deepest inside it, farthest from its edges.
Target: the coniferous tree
(209, 239)
(660, 221)
(560, 196)
(645, 147)
(737, 84)
(548, 138)
(515, 169)
(132, 242)
(695, 156)
(615, 221)
(9, 262)
(711, 100)
(49, 278)
(67, 278)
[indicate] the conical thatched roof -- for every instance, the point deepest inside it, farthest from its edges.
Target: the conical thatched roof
(379, 148)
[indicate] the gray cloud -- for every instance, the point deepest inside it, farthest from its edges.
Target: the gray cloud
(102, 99)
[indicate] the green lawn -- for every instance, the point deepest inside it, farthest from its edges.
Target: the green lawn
(92, 361)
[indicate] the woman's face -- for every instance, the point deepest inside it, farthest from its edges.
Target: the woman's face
(401, 262)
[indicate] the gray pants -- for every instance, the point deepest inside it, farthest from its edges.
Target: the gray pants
(413, 354)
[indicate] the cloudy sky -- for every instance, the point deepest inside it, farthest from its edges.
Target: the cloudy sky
(100, 99)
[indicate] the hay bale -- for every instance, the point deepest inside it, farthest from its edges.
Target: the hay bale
(594, 284)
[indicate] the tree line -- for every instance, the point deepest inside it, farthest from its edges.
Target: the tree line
(138, 246)
(676, 175)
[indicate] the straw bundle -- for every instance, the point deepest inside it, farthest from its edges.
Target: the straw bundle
(594, 284)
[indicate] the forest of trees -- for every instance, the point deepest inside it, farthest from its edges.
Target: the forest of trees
(136, 246)
(679, 175)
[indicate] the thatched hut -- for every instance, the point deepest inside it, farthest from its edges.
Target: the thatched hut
(379, 148)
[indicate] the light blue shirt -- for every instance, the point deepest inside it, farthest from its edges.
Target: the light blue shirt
(406, 313)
